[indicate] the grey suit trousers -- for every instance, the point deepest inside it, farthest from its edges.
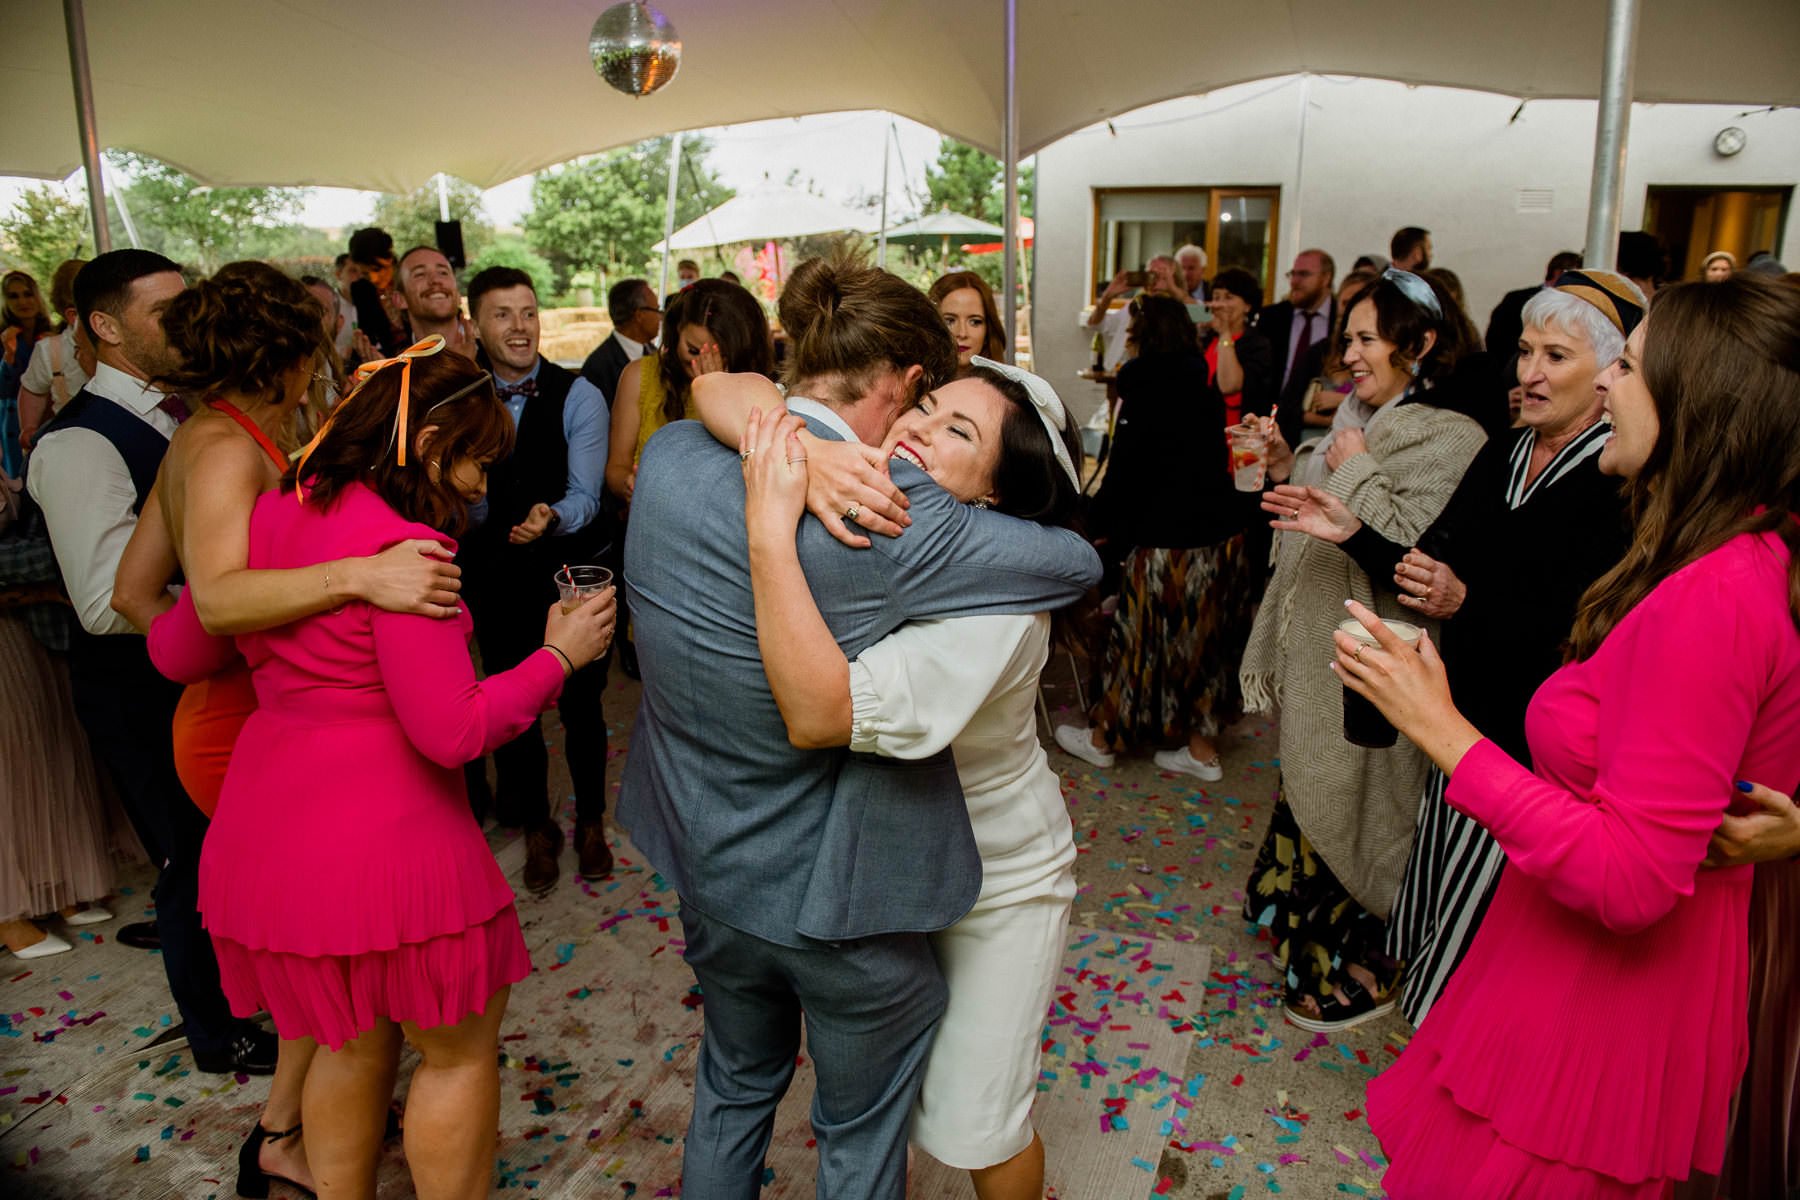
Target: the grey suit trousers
(871, 1008)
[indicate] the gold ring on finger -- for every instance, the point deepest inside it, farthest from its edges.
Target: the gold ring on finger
(1357, 655)
(851, 513)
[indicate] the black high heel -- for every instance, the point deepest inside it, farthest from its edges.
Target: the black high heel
(253, 1181)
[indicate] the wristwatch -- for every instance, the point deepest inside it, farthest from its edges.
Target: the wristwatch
(554, 524)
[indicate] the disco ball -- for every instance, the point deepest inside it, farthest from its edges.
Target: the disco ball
(635, 48)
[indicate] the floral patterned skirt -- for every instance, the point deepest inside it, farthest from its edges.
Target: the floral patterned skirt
(1319, 929)
(1170, 667)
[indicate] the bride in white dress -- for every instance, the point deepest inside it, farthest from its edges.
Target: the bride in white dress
(999, 438)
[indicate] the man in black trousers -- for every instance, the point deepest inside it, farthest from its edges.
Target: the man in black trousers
(541, 513)
(91, 473)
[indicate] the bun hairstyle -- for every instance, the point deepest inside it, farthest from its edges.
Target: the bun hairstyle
(993, 345)
(1404, 322)
(241, 331)
(358, 446)
(849, 323)
(1722, 365)
(736, 322)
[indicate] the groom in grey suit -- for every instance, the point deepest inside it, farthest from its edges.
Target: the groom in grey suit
(808, 878)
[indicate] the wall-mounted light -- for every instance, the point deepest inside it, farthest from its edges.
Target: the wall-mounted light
(1729, 141)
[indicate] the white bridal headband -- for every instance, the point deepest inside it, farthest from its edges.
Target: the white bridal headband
(1049, 407)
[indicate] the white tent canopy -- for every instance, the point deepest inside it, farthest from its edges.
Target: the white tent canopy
(765, 215)
(385, 95)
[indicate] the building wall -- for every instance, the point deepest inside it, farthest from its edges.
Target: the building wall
(1377, 156)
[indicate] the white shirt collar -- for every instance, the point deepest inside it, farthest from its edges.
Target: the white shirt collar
(825, 415)
(117, 386)
(634, 350)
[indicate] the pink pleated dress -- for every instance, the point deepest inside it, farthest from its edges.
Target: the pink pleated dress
(1589, 1045)
(344, 878)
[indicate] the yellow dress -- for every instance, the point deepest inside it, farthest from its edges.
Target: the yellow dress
(650, 401)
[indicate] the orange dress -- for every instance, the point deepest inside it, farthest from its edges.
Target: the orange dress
(213, 711)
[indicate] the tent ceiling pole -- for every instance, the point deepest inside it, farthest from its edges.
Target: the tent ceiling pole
(881, 245)
(669, 213)
(1612, 123)
(76, 24)
(1009, 151)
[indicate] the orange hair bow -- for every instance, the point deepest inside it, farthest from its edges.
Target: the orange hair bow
(424, 348)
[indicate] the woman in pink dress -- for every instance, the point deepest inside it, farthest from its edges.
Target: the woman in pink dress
(347, 888)
(1611, 1076)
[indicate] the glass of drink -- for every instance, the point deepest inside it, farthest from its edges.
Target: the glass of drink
(1249, 454)
(1363, 723)
(579, 584)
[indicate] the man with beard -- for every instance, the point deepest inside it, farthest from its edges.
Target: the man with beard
(541, 513)
(1410, 249)
(91, 474)
(425, 286)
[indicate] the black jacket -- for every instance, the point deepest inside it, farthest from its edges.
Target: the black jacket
(1168, 480)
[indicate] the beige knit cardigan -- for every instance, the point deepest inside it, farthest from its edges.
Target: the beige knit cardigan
(1357, 807)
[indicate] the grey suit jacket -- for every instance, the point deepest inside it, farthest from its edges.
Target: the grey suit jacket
(800, 845)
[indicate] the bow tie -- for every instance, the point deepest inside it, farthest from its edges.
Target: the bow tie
(525, 387)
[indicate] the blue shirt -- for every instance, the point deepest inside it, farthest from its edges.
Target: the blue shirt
(586, 424)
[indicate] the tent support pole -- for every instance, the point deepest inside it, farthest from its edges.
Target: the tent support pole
(669, 212)
(1009, 152)
(1612, 123)
(76, 24)
(881, 245)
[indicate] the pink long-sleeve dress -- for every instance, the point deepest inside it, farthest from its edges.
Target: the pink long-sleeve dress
(343, 878)
(1590, 1043)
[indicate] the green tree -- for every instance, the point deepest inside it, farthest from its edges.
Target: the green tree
(511, 250)
(603, 214)
(44, 228)
(203, 227)
(969, 181)
(412, 217)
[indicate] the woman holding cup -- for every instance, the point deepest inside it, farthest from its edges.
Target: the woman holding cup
(1637, 957)
(1331, 862)
(346, 886)
(1167, 508)
(1533, 524)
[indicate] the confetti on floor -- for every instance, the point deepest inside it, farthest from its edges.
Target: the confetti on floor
(1166, 1058)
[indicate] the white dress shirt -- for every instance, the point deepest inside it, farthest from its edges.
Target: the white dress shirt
(85, 490)
(633, 350)
(1112, 330)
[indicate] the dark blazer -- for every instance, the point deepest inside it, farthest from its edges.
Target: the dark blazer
(1507, 322)
(1276, 322)
(604, 366)
(799, 846)
(1168, 479)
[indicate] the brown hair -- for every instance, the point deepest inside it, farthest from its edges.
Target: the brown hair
(1450, 284)
(856, 322)
(39, 327)
(241, 331)
(1161, 325)
(62, 289)
(359, 443)
(994, 344)
(1722, 363)
(736, 322)
(1404, 323)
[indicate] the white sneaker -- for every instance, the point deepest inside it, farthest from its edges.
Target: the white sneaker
(51, 944)
(1078, 740)
(1180, 761)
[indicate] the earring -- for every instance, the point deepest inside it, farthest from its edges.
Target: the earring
(1414, 368)
(982, 502)
(434, 472)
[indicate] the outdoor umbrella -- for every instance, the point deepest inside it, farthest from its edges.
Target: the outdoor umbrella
(943, 225)
(768, 214)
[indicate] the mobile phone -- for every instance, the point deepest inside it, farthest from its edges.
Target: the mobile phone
(1136, 279)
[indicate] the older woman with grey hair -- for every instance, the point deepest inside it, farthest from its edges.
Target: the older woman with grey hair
(1532, 524)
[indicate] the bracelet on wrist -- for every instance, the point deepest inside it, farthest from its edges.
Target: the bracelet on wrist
(568, 664)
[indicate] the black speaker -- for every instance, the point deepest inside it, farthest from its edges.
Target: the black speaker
(449, 240)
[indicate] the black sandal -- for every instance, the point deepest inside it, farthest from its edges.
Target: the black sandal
(253, 1181)
(1358, 1008)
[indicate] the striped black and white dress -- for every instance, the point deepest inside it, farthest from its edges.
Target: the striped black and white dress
(1454, 865)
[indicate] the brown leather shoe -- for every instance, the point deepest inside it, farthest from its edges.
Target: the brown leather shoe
(596, 859)
(542, 845)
